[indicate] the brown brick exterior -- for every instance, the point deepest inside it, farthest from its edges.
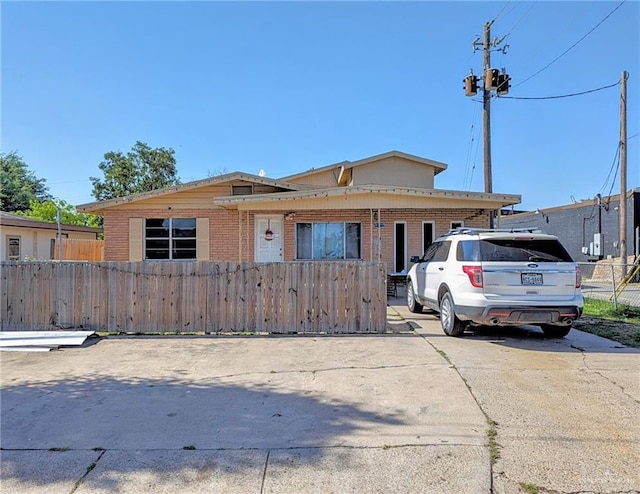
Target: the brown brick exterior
(232, 232)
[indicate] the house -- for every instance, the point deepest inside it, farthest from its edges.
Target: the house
(27, 238)
(589, 229)
(382, 208)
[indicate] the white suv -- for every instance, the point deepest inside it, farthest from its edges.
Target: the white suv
(497, 277)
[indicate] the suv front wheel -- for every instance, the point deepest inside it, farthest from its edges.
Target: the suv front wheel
(450, 323)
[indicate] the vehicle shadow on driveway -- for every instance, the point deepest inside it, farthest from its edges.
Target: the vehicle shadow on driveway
(523, 337)
(532, 338)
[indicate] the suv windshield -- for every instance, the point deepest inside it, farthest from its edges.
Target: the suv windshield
(516, 250)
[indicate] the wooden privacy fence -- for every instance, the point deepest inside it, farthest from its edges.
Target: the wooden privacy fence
(77, 249)
(209, 297)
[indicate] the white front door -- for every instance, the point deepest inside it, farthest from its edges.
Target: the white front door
(268, 238)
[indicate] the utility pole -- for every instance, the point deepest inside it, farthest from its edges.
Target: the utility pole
(623, 169)
(492, 80)
(486, 111)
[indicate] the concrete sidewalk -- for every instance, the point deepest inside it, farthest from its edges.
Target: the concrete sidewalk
(299, 414)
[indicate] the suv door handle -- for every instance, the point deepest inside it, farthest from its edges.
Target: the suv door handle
(440, 268)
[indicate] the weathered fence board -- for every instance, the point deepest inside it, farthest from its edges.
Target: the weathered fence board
(198, 296)
(76, 249)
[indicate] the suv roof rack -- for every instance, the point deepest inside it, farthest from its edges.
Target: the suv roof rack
(467, 230)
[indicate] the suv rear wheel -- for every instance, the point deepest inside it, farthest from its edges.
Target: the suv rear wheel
(450, 323)
(551, 331)
(413, 305)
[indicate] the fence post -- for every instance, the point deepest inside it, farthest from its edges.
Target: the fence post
(613, 281)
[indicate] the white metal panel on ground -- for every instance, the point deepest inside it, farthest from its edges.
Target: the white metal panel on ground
(27, 348)
(41, 340)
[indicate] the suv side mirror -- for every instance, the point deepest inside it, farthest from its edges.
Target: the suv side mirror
(415, 259)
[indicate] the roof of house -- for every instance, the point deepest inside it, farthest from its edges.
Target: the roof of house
(8, 219)
(438, 167)
(290, 190)
(228, 177)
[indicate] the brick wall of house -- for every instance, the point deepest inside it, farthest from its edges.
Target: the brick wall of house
(232, 232)
(223, 230)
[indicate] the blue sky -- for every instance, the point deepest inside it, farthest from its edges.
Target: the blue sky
(287, 86)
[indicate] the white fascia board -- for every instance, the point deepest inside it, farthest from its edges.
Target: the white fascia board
(506, 199)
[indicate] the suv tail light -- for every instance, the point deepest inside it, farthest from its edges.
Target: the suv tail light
(578, 277)
(475, 275)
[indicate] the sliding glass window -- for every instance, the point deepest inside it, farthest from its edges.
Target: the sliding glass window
(328, 241)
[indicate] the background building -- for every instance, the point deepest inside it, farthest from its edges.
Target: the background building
(590, 230)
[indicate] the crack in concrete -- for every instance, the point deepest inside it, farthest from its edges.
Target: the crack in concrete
(264, 472)
(287, 448)
(492, 432)
(88, 471)
(585, 363)
(531, 487)
(327, 369)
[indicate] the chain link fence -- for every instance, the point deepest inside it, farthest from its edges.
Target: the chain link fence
(613, 281)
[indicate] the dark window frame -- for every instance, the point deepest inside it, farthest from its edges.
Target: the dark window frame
(180, 242)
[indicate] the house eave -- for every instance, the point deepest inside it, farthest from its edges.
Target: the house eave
(492, 200)
(99, 206)
(7, 219)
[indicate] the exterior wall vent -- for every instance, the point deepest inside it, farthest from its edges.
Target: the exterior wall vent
(241, 190)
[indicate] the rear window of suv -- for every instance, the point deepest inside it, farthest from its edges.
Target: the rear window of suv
(514, 250)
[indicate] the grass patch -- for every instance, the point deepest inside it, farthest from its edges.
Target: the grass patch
(494, 447)
(529, 488)
(621, 324)
(604, 309)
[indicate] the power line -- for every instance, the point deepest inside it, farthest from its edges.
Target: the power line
(472, 139)
(561, 96)
(615, 158)
(614, 176)
(506, 36)
(499, 13)
(520, 19)
(572, 46)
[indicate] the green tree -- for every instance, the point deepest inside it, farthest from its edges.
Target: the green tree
(48, 210)
(140, 170)
(18, 185)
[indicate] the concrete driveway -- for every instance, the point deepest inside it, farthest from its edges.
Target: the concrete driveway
(567, 411)
(406, 412)
(253, 414)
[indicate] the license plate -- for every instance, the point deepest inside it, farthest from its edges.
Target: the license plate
(531, 278)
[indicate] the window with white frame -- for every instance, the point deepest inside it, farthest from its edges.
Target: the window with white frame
(331, 241)
(457, 224)
(13, 248)
(400, 247)
(170, 238)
